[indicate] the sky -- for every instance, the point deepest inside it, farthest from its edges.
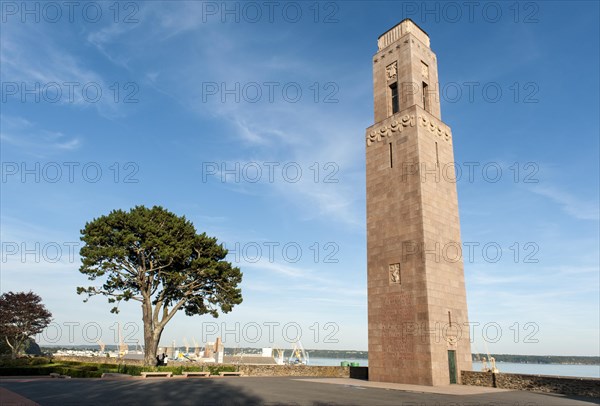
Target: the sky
(249, 119)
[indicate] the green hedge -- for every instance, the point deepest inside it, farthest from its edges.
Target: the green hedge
(136, 370)
(89, 364)
(73, 369)
(92, 370)
(49, 369)
(25, 361)
(17, 370)
(215, 369)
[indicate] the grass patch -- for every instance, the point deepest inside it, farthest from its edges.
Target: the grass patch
(24, 362)
(136, 370)
(40, 366)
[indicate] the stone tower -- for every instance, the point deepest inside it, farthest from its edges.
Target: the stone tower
(418, 331)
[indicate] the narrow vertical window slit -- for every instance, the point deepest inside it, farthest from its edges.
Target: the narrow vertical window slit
(394, 96)
(425, 97)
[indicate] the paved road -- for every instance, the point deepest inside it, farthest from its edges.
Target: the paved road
(254, 391)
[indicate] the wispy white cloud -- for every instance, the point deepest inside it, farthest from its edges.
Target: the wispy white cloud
(27, 136)
(301, 280)
(337, 302)
(572, 205)
(56, 75)
(483, 278)
(305, 132)
(281, 269)
(248, 134)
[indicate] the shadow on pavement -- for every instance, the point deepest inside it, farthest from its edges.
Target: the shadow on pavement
(153, 391)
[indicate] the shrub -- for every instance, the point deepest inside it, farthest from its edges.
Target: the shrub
(39, 361)
(43, 366)
(79, 373)
(24, 361)
(134, 370)
(215, 369)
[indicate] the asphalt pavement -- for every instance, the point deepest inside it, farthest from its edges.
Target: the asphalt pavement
(261, 391)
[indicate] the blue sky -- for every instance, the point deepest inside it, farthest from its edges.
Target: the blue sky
(250, 121)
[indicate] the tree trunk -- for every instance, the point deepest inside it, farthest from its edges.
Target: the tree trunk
(150, 344)
(152, 335)
(149, 350)
(14, 349)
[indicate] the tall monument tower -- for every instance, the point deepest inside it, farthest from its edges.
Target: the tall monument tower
(418, 331)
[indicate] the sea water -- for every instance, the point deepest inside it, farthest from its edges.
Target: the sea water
(587, 371)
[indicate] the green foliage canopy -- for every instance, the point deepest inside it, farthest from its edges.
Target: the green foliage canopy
(22, 315)
(157, 258)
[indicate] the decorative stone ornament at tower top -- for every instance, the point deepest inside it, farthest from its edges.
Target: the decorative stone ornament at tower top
(392, 71)
(424, 70)
(418, 321)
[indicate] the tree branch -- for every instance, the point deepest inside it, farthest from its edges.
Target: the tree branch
(9, 344)
(119, 296)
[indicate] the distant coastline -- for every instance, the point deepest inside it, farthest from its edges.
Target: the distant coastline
(353, 354)
(541, 359)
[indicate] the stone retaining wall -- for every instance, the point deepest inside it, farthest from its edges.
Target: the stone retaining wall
(474, 378)
(251, 370)
(589, 387)
(295, 370)
(99, 360)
